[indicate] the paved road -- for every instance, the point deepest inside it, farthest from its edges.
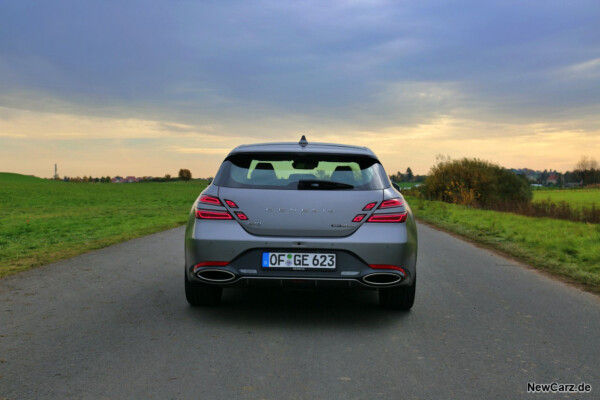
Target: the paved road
(114, 324)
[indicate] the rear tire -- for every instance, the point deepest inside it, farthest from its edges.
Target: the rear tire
(202, 294)
(398, 298)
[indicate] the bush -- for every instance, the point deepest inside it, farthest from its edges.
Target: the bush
(185, 174)
(475, 182)
(550, 209)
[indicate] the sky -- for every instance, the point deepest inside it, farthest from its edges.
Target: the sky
(148, 87)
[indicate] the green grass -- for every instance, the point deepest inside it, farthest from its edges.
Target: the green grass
(42, 221)
(568, 249)
(575, 197)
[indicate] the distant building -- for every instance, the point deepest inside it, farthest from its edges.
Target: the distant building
(552, 179)
(128, 179)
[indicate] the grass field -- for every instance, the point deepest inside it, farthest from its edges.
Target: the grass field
(42, 221)
(577, 198)
(569, 249)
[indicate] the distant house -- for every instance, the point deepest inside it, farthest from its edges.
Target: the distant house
(128, 179)
(552, 179)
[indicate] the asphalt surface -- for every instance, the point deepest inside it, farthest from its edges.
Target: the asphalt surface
(114, 324)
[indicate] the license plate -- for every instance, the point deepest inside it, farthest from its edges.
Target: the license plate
(298, 260)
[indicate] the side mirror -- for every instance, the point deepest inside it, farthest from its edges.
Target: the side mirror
(396, 186)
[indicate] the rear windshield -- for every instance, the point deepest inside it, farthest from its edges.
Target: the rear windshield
(301, 171)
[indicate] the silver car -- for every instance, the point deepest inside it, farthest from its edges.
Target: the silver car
(301, 214)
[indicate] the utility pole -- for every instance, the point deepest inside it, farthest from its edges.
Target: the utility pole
(55, 171)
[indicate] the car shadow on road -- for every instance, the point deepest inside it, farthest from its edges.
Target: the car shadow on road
(275, 306)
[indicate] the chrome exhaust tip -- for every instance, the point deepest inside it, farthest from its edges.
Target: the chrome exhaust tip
(216, 275)
(382, 279)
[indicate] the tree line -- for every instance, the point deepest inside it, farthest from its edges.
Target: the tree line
(585, 173)
(408, 176)
(183, 175)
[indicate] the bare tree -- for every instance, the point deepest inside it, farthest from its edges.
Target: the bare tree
(586, 163)
(586, 171)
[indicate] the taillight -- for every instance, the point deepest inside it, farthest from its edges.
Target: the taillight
(369, 206)
(241, 215)
(204, 214)
(391, 203)
(231, 203)
(210, 214)
(359, 217)
(210, 200)
(398, 217)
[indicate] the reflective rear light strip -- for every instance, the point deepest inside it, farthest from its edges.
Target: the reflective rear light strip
(203, 214)
(387, 266)
(400, 217)
(210, 264)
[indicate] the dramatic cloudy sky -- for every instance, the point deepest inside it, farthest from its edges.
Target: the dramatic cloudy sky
(147, 87)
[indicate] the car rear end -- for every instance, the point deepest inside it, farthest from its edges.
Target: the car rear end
(315, 215)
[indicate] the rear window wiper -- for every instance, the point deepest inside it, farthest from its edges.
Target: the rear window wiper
(315, 184)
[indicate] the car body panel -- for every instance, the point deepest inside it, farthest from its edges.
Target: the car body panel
(301, 221)
(302, 213)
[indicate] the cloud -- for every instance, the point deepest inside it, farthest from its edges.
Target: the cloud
(585, 70)
(194, 63)
(211, 75)
(12, 135)
(199, 150)
(36, 125)
(586, 66)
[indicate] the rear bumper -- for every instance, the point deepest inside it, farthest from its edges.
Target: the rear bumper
(295, 283)
(372, 244)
